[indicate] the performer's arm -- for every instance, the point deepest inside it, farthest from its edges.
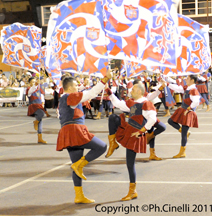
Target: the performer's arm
(153, 95)
(176, 88)
(195, 101)
(92, 93)
(31, 90)
(170, 80)
(150, 116)
(201, 78)
(121, 104)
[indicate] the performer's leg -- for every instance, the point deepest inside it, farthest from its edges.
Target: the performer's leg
(99, 112)
(97, 148)
(160, 127)
(204, 95)
(114, 121)
(38, 124)
(130, 160)
(107, 108)
(184, 137)
(174, 124)
(166, 108)
(75, 155)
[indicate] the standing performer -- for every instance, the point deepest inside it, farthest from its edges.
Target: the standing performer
(74, 135)
(131, 134)
(185, 115)
(35, 108)
(157, 128)
(203, 89)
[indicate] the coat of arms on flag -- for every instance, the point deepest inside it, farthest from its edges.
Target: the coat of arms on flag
(131, 12)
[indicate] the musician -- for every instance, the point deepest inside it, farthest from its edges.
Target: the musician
(185, 115)
(74, 135)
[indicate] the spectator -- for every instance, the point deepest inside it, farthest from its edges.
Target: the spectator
(4, 82)
(16, 83)
(12, 78)
(18, 77)
(10, 83)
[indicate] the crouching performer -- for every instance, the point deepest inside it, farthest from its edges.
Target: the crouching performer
(131, 134)
(74, 135)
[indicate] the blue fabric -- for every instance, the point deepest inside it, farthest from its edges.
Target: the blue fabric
(67, 113)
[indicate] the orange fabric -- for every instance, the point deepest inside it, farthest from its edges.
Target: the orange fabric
(74, 98)
(123, 136)
(189, 120)
(33, 108)
(73, 135)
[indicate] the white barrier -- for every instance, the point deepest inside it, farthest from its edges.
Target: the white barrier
(7, 98)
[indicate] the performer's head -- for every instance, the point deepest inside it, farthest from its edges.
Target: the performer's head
(191, 79)
(70, 85)
(138, 91)
(32, 81)
(86, 80)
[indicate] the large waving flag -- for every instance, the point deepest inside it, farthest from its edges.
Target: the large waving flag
(21, 46)
(194, 55)
(76, 38)
(142, 31)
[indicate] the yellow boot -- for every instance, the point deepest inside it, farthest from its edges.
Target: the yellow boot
(182, 153)
(98, 116)
(80, 197)
(149, 136)
(78, 166)
(167, 113)
(40, 139)
(153, 156)
(110, 113)
(112, 145)
(47, 114)
(203, 106)
(188, 133)
(36, 122)
(208, 108)
(132, 194)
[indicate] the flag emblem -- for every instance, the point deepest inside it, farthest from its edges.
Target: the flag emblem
(131, 12)
(92, 34)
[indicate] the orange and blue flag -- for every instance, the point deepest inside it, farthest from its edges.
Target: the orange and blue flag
(141, 31)
(194, 55)
(76, 37)
(21, 46)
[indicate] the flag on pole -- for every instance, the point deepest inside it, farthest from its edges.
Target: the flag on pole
(194, 55)
(141, 31)
(76, 38)
(21, 46)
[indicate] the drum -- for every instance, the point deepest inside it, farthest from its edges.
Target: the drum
(49, 101)
(178, 99)
(156, 101)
